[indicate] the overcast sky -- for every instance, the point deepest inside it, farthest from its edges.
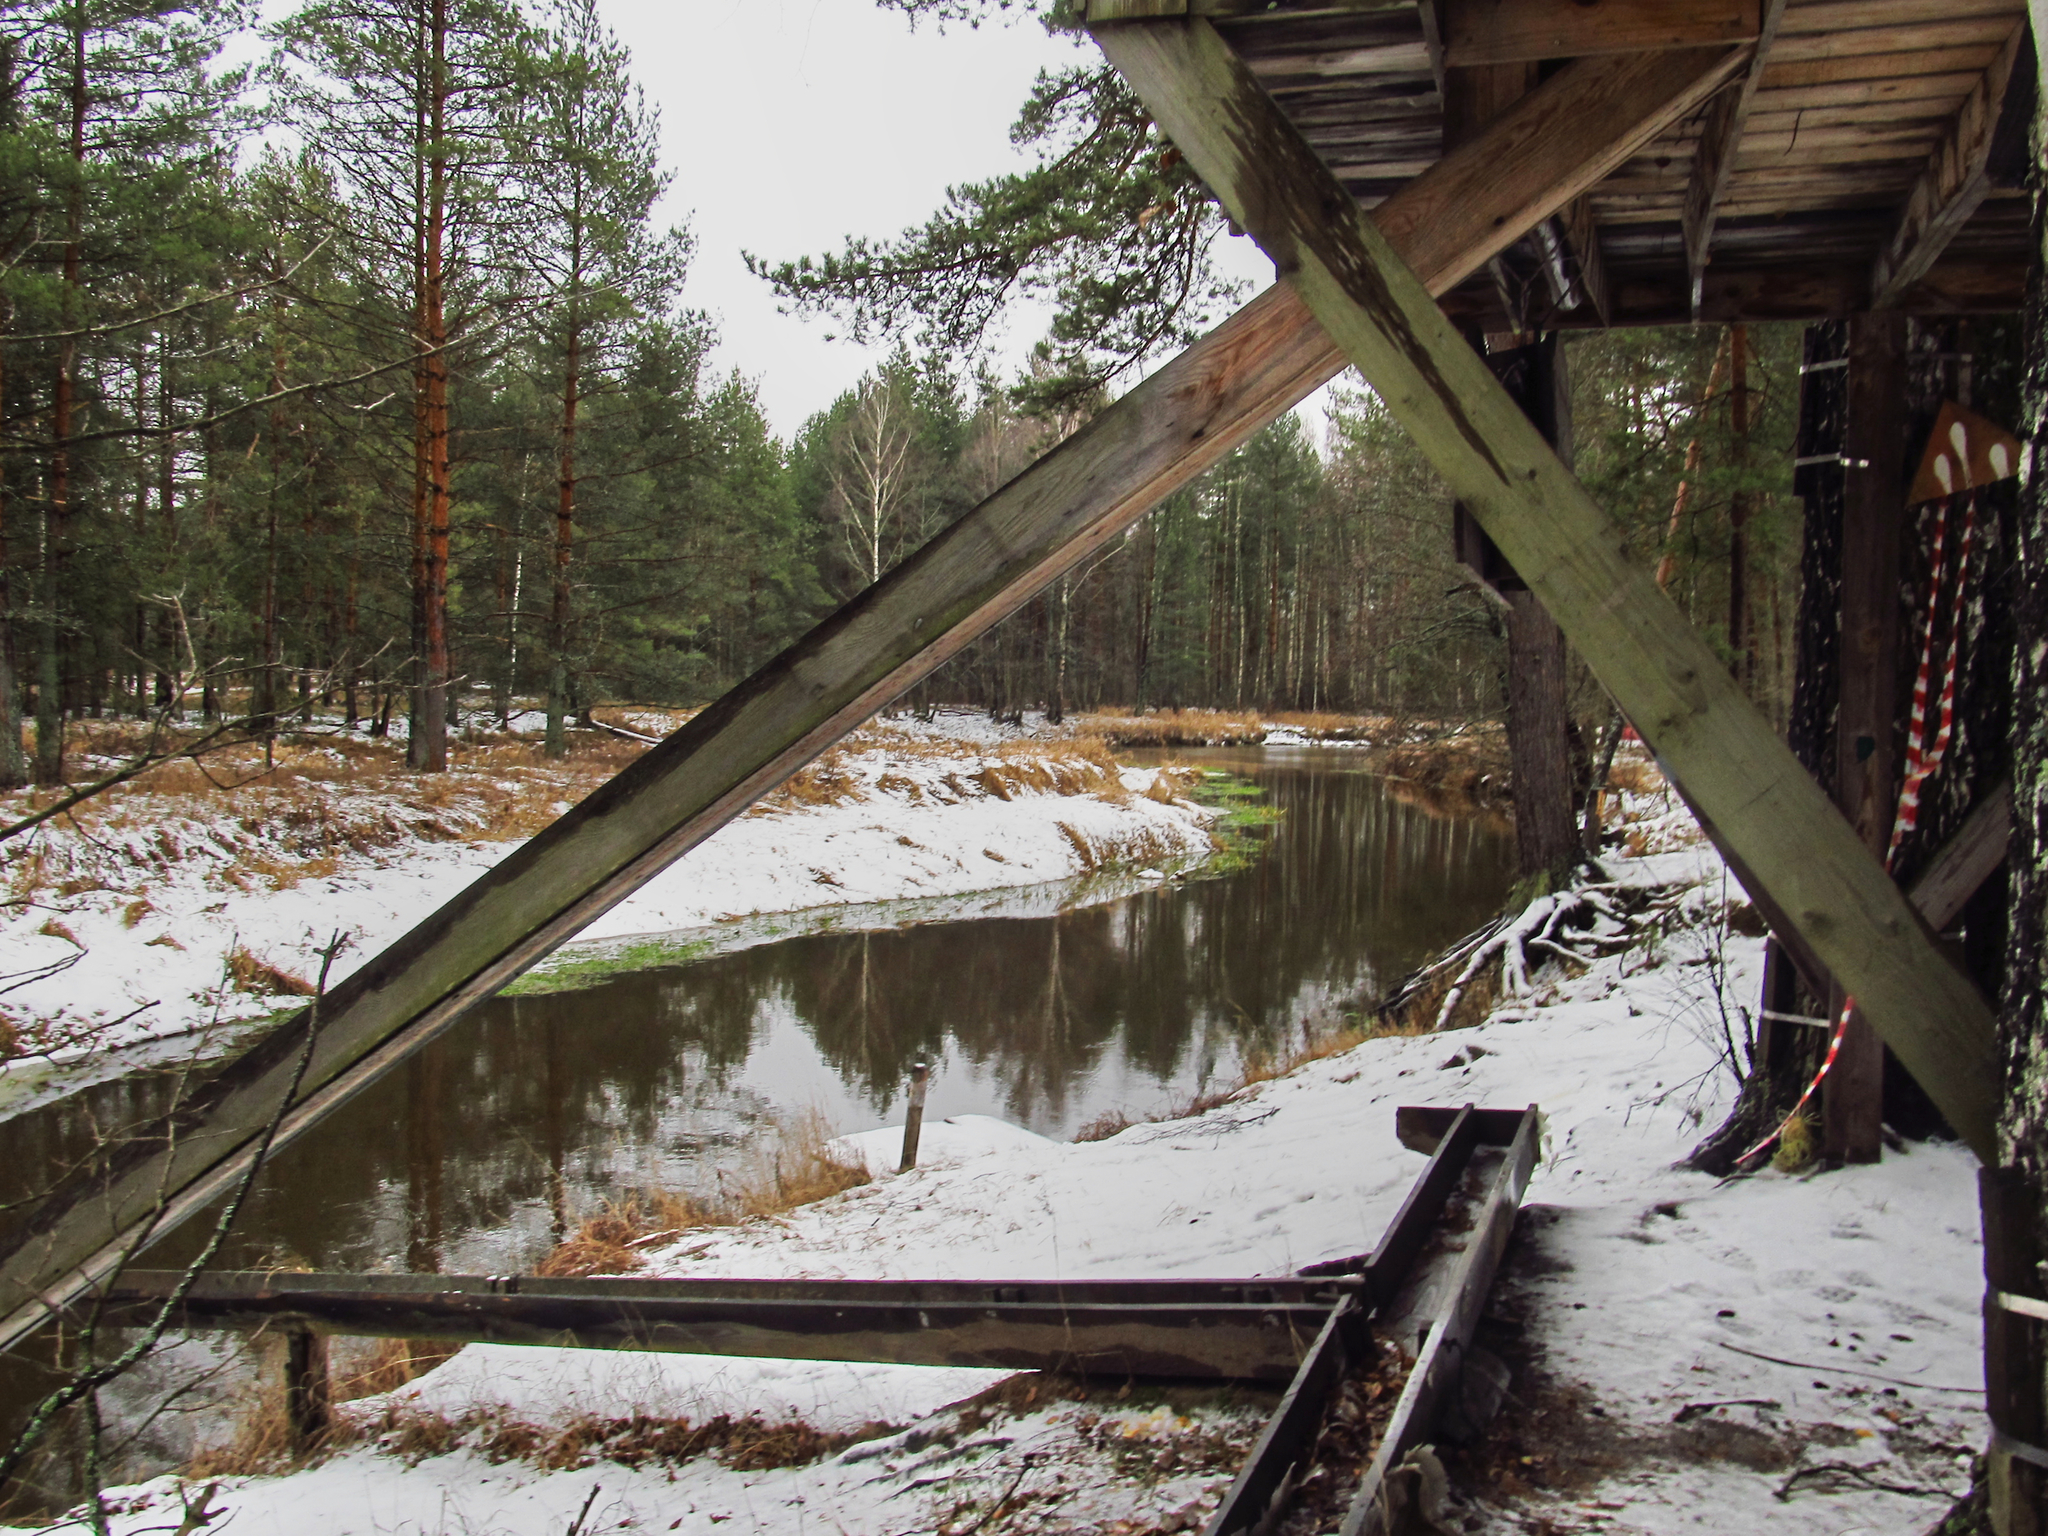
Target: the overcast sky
(791, 124)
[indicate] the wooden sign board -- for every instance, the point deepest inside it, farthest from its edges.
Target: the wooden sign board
(1965, 450)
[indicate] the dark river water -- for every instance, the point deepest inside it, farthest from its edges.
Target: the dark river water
(475, 1156)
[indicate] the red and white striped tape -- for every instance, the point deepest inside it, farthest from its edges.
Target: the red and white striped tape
(1921, 761)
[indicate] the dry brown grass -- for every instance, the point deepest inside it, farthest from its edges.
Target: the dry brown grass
(389, 1364)
(1470, 768)
(795, 1167)
(1172, 728)
(250, 972)
(325, 799)
(749, 1444)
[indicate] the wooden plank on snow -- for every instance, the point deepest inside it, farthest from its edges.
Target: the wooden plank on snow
(1655, 665)
(1071, 503)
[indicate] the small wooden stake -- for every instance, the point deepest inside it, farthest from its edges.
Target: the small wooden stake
(913, 1123)
(308, 1399)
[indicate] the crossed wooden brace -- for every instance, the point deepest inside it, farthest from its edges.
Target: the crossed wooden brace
(1353, 290)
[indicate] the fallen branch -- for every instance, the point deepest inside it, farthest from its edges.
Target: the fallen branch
(1843, 1370)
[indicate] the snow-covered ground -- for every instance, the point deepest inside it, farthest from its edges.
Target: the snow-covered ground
(1775, 1354)
(134, 914)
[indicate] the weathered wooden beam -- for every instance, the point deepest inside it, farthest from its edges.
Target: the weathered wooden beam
(1478, 32)
(1440, 1364)
(1713, 160)
(1874, 473)
(1551, 148)
(1232, 1330)
(1582, 236)
(1973, 853)
(1950, 188)
(1655, 665)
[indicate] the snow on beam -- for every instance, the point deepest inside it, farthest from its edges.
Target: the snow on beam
(1654, 663)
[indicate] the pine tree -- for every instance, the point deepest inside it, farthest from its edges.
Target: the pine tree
(589, 147)
(408, 101)
(123, 133)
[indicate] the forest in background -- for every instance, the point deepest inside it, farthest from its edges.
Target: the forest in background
(366, 381)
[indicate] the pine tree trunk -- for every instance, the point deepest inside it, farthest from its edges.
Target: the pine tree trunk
(427, 751)
(565, 539)
(1539, 722)
(1740, 642)
(2015, 1194)
(56, 530)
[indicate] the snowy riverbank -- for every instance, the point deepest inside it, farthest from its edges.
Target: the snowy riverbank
(183, 909)
(1783, 1353)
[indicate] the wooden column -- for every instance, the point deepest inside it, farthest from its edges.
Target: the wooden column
(308, 1396)
(1715, 744)
(1866, 778)
(1070, 504)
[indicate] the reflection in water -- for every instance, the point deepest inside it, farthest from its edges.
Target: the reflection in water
(482, 1151)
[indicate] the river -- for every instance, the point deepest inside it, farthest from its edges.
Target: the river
(489, 1144)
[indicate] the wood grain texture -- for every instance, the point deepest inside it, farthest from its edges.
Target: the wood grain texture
(1656, 666)
(1481, 32)
(1950, 187)
(1179, 422)
(1973, 853)
(1713, 161)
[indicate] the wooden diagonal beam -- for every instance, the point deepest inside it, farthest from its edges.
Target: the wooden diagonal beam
(1950, 187)
(1713, 742)
(1169, 429)
(1713, 160)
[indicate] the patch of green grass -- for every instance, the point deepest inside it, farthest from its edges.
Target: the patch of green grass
(1236, 830)
(585, 970)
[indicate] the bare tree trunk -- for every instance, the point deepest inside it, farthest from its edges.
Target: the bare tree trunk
(427, 751)
(1539, 723)
(1741, 643)
(565, 536)
(56, 530)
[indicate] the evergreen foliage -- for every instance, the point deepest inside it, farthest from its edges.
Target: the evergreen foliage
(369, 385)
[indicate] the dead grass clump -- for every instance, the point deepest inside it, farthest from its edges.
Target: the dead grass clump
(1084, 850)
(53, 929)
(1798, 1144)
(1635, 775)
(1106, 1125)
(260, 1441)
(1173, 728)
(1471, 768)
(748, 1444)
(249, 972)
(389, 1365)
(796, 1167)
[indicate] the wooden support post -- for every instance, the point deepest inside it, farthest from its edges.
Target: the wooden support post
(1069, 505)
(1866, 780)
(308, 1396)
(2015, 1352)
(913, 1120)
(1656, 666)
